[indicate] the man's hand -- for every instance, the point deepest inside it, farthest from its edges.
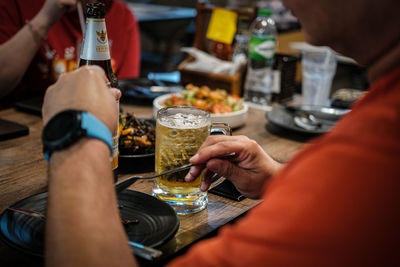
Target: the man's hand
(83, 89)
(248, 170)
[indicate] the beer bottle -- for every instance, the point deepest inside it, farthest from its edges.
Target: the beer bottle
(95, 51)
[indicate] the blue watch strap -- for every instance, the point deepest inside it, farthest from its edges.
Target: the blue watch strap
(96, 129)
(90, 127)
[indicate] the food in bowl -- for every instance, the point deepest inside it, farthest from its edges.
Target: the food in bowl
(136, 136)
(216, 101)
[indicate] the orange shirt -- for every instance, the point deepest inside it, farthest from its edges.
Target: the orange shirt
(337, 203)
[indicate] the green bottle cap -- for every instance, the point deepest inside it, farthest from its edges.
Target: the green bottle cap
(264, 12)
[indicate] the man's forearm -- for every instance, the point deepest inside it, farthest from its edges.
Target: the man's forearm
(18, 52)
(83, 225)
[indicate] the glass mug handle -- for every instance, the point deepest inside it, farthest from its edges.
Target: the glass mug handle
(220, 128)
(224, 128)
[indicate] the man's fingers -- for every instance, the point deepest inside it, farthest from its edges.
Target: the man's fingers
(69, 5)
(98, 70)
(228, 170)
(87, 77)
(116, 93)
(207, 156)
(227, 146)
(213, 139)
(193, 173)
(206, 180)
(91, 70)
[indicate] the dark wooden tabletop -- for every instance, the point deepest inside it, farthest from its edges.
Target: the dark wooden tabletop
(23, 173)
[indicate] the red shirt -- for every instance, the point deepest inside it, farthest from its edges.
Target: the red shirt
(337, 203)
(58, 53)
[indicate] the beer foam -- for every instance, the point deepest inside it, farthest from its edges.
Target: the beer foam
(185, 121)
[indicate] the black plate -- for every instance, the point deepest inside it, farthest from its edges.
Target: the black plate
(158, 222)
(284, 117)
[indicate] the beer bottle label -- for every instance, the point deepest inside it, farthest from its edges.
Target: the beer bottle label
(262, 48)
(115, 152)
(95, 45)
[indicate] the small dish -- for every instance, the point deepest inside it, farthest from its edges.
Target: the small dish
(234, 119)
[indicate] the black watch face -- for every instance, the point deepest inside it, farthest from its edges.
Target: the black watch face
(62, 124)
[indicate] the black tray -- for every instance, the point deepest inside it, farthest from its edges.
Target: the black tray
(157, 224)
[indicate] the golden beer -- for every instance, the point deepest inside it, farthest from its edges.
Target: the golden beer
(180, 131)
(174, 147)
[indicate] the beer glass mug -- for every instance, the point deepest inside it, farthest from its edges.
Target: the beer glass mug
(180, 131)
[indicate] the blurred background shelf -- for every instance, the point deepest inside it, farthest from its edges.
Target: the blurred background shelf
(168, 25)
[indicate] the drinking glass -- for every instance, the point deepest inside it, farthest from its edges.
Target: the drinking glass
(318, 68)
(180, 131)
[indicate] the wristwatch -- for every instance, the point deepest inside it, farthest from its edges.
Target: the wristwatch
(68, 126)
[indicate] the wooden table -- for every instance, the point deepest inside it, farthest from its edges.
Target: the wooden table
(23, 173)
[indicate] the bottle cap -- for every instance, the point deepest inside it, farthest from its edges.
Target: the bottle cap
(264, 12)
(95, 9)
